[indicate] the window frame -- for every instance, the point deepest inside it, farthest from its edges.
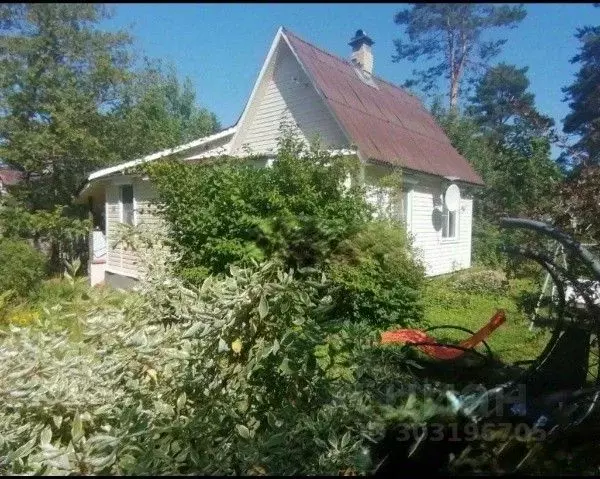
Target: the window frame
(446, 215)
(385, 206)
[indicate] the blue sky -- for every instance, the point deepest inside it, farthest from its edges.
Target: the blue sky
(221, 47)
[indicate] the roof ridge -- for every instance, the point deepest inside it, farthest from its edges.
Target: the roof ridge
(347, 62)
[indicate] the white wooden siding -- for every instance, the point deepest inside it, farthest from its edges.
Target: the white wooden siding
(287, 96)
(440, 255)
(120, 259)
(422, 195)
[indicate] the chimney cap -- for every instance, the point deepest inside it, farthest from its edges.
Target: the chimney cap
(360, 38)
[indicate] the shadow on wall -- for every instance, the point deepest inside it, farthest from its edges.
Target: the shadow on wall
(436, 219)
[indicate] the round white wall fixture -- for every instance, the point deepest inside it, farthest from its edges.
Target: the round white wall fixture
(452, 197)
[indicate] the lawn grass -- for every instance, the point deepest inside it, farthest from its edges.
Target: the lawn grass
(445, 305)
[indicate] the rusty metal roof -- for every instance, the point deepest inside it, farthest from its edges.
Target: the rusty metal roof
(386, 123)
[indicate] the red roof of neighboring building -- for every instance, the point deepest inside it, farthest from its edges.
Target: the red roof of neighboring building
(386, 123)
(10, 177)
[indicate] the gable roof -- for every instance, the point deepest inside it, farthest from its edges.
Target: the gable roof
(386, 123)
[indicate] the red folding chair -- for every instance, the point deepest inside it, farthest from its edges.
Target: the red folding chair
(431, 347)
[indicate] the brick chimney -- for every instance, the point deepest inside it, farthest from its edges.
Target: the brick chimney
(362, 55)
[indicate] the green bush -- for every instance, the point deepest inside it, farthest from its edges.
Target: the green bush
(62, 229)
(56, 290)
(22, 267)
(375, 277)
(247, 372)
(298, 213)
(231, 213)
(487, 240)
(486, 281)
(195, 275)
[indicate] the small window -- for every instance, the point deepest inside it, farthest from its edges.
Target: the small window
(387, 204)
(379, 198)
(399, 208)
(450, 224)
(126, 204)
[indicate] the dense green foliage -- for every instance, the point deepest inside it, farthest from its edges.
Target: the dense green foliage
(248, 370)
(578, 209)
(158, 112)
(505, 110)
(452, 34)
(249, 376)
(64, 234)
(584, 98)
(375, 277)
(59, 74)
(73, 101)
(22, 268)
(508, 142)
(68, 91)
(232, 212)
(297, 212)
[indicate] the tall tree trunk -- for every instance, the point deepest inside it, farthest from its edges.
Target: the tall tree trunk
(454, 93)
(457, 66)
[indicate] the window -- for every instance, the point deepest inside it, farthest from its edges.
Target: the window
(126, 192)
(449, 224)
(399, 208)
(387, 204)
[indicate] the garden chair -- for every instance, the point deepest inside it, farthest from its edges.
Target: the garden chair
(433, 348)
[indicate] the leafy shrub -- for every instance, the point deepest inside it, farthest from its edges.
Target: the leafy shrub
(487, 240)
(5, 302)
(22, 268)
(231, 213)
(248, 369)
(22, 315)
(195, 275)
(298, 212)
(375, 277)
(60, 228)
(56, 290)
(481, 281)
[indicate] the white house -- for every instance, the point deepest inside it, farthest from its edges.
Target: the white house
(350, 110)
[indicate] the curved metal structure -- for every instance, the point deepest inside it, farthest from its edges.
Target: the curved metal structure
(569, 343)
(558, 397)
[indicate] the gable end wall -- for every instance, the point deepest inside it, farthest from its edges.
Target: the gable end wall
(286, 95)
